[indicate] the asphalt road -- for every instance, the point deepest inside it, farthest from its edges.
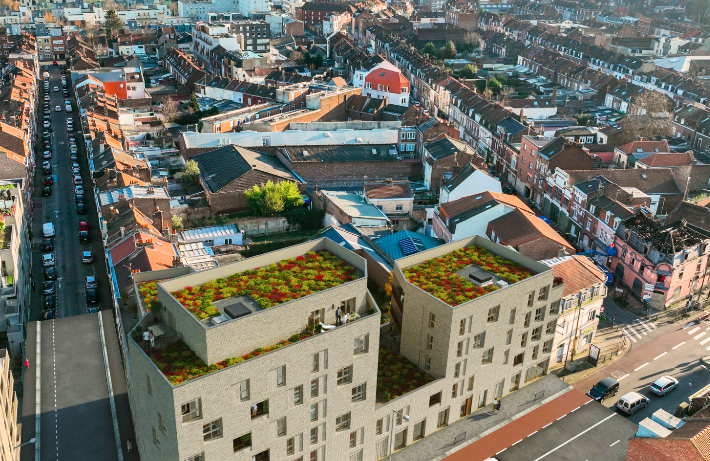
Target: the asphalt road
(60, 209)
(592, 432)
(675, 350)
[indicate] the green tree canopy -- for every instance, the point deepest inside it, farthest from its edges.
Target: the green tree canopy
(191, 176)
(449, 50)
(586, 120)
(113, 22)
(194, 103)
(494, 85)
(429, 49)
(273, 198)
(468, 71)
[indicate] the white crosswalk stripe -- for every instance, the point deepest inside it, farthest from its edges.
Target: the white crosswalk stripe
(704, 341)
(630, 332)
(647, 324)
(700, 335)
(639, 329)
(693, 330)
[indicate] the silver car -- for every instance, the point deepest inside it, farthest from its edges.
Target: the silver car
(664, 385)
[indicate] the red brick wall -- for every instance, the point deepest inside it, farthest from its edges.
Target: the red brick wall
(226, 202)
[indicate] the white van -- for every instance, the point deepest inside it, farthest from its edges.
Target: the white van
(632, 402)
(48, 229)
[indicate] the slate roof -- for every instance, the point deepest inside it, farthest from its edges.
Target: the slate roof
(649, 181)
(221, 167)
(459, 178)
(446, 146)
(396, 190)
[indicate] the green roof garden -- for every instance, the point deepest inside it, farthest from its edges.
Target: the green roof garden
(438, 276)
(271, 285)
(396, 375)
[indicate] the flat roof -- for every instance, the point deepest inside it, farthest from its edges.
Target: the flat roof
(355, 205)
(207, 232)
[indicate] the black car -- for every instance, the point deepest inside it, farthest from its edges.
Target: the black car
(80, 208)
(92, 295)
(48, 181)
(48, 314)
(47, 169)
(50, 302)
(607, 387)
(84, 237)
(48, 287)
(47, 191)
(79, 198)
(509, 190)
(50, 273)
(65, 94)
(47, 245)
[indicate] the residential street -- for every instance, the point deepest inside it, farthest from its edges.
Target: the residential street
(60, 209)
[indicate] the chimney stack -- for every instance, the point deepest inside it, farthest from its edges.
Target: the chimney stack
(158, 218)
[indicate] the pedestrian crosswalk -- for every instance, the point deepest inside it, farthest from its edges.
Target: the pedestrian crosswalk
(638, 329)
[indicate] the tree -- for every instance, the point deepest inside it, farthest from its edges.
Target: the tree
(494, 85)
(113, 22)
(176, 222)
(472, 40)
(191, 176)
(586, 120)
(449, 50)
(173, 7)
(296, 56)
(468, 71)
(49, 17)
(170, 110)
(272, 198)
(313, 61)
(194, 103)
(650, 114)
(429, 49)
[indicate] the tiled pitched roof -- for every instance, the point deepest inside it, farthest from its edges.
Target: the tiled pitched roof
(650, 181)
(398, 189)
(517, 227)
(577, 272)
(645, 146)
(662, 160)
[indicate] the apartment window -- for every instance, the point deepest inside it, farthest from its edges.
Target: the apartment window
(479, 340)
(459, 349)
(506, 355)
(258, 409)
(539, 314)
(298, 395)
(547, 346)
(487, 356)
(427, 362)
(454, 390)
(353, 439)
(457, 370)
(342, 422)
(528, 316)
(213, 430)
(242, 442)
(281, 426)
(314, 388)
(345, 375)
(191, 410)
(398, 207)
(512, 317)
(555, 307)
(429, 342)
(470, 383)
(316, 361)
(359, 392)
(314, 437)
(592, 315)
(314, 411)
(524, 339)
(290, 446)
(462, 326)
(148, 384)
(361, 344)
(432, 320)
(435, 399)
(550, 327)
(534, 352)
(531, 298)
(378, 426)
(518, 359)
(542, 296)
(509, 337)
(493, 314)
(443, 418)
(281, 376)
(536, 334)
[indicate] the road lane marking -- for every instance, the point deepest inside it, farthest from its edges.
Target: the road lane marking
(550, 423)
(700, 335)
(517, 442)
(588, 401)
(38, 394)
(641, 366)
(576, 436)
(561, 417)
(630, 332)
(693, 330)
(533, 433)
(501, 451)
(702, 343)
(676, 347)
(623, 377)
(615, 443)
(660, 356)
(645, 325)
(707, 348)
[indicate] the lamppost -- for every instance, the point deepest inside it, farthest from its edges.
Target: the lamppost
(406, 418)
(32, 440)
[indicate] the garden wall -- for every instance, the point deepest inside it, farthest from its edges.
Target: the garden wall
(263, 226)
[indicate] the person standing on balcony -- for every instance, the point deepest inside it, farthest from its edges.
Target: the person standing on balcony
(338, 320)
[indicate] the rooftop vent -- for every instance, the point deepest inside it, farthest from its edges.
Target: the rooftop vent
(481, 279)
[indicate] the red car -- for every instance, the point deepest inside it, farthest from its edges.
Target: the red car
(83, 226)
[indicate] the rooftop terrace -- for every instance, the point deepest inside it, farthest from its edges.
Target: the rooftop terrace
(465, 274)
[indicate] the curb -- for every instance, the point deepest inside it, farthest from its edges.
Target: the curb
(595, 369)
(116, 431)
(479, 436)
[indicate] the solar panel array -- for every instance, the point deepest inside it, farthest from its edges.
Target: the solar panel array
(411, 245)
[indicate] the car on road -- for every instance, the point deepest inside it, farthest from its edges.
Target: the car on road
(76, 171)
(46, 135)
(50, 302)
(58, 108)
(83, 226)
(48, 230)
(68, 108)
(46, 191)
(91, 282)
(79, 198)
(92, 310)
(50, 273)
(78, 190)
(48, 314)
(607, 387)
(78, 180)
(664, 385)
(47, 154)
(48, 259)
(48, 287)
(87, 257)
(632, 402)
(80, 208)
(56, 89)
(84, 237)
(92, 295)
(47, 167)
(48, 181)
(47, 245)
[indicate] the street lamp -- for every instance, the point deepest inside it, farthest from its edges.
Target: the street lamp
(32, 440)
(406, 418)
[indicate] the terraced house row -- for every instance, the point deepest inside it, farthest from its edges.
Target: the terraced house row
(255, 362)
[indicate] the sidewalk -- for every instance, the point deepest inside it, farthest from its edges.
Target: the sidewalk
(467, 430)
(670, 314)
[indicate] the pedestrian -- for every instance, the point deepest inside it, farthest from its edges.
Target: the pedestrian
(33, 285)
(27, 363)
(152, 340)
(498, 405)
(337, 317)
(495, 405)
(146, 338)
(345, 319)
(129, 445)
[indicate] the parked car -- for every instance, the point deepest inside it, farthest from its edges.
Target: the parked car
(664, 385)
(84, 237)
(48, 314)
(65, 93)
(48, 181)
(50, 302)
(632, 402)
(78, 180)
(50, 273)
(91, 310)
(58, 108)
(48, 259)
(80, 208)
(607, 387)
(91, 282)
(47, 245)
(79, 198)
(46, 191)
(47, 154)
(83, 226)
(87, 257)
(92, 295)
(48, 287)
(78, 189)
(68, 108)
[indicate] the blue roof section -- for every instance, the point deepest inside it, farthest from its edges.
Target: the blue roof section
(390, 244)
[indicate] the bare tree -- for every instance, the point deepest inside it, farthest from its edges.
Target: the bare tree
(173, 8)
(649, 115)
(472, 39)
(296, 56)
(170, 110)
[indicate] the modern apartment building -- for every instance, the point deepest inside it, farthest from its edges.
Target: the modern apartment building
(239, 374)
(9, 436)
